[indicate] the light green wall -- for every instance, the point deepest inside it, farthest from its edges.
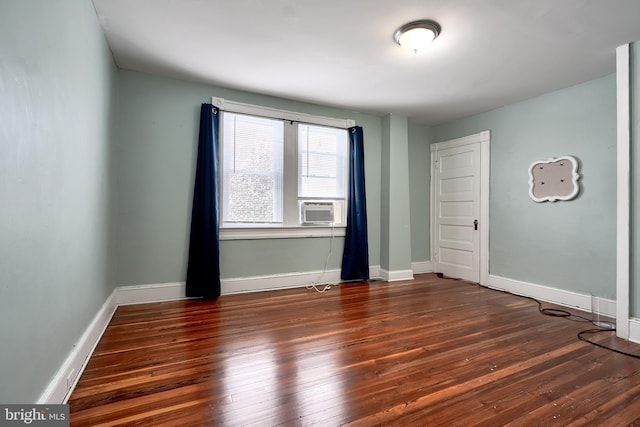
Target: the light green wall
(385, 194)
(396, 222)
(56, 95)
(420, 190)
(156, 153)
(567, 245)
(70, 194)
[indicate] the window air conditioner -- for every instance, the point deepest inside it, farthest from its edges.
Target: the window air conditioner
(315, 213)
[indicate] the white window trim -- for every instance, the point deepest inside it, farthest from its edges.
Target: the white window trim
(280, 232)
(257, 110)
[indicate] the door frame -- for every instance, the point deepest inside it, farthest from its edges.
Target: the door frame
(484, 140)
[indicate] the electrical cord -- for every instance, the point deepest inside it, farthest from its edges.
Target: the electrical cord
(554, 312)
(315, 285)
(323, 287)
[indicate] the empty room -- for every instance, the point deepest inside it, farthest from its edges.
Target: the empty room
(320, 213)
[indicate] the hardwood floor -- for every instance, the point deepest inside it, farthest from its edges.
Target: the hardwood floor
(428, 352)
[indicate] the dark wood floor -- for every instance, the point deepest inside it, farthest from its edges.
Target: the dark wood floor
(428, 352)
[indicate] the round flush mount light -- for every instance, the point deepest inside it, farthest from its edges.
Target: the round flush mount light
(417, 35)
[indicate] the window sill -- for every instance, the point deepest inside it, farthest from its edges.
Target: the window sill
(280, 232)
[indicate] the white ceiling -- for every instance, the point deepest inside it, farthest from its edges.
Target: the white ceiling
(341, 52)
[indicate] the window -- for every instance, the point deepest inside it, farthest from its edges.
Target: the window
(322, 172)
(281, 171)
(252, 175)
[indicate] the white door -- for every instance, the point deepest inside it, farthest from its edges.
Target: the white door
(456, 210)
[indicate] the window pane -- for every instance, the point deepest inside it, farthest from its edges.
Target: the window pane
(321, 161)
(252, 169)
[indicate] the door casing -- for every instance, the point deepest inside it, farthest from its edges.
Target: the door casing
(483, 139)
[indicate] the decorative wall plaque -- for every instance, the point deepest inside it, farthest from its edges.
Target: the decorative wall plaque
(554, 179)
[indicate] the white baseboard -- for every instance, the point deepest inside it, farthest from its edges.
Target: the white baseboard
(141, 294)
(277, 281)
(285, 281)
(60, 387)
(396, 275)
(64, 381)
(374, 272)
(422, 267)
(563, 297)
(634, 330)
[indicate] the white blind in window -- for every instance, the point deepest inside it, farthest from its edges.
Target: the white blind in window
(322, 161)
(253, 172)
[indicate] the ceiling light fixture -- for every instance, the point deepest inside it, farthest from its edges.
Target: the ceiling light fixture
(417, 35)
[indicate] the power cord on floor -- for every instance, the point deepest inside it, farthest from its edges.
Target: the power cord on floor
(554, 312)
(324, 287)
(581, 335)
(327, 286)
